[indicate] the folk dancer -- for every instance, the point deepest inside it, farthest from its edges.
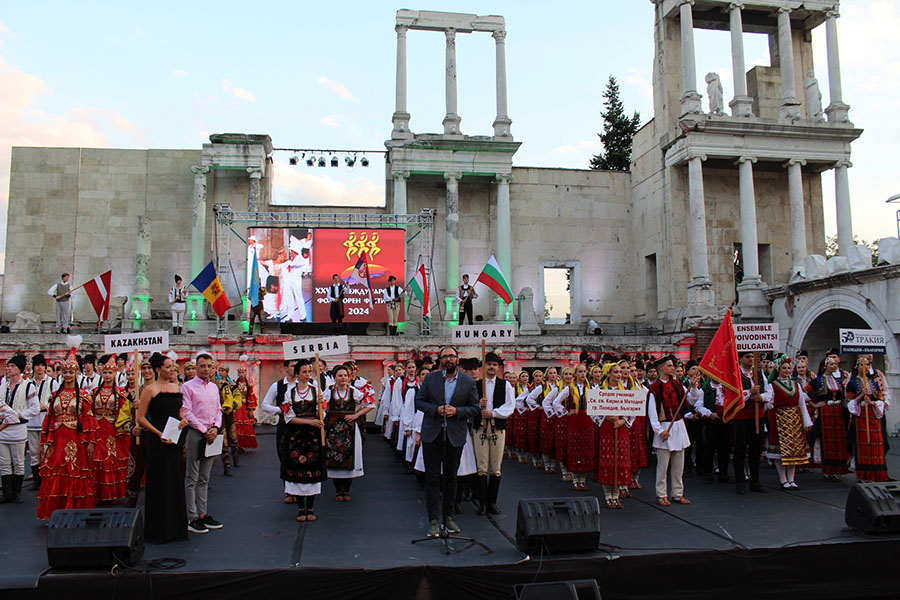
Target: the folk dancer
(867, 407)
(613, 470)
(61, 292)
(710, 405)
(303, 469)
(46, 387)
(464, 296)
(829, 432)
(137, 451)
(520, 421)
(18, 405)
(788, 420)
(230, 402)
(408, 419)
(383, 415)
(512, 435)
(346, 404)
(112, 445)
(67, 437)
(748, 442)
(552, 387)
(245, 414)
(393, 297)
(497, 402)
(579, 429)
(533, 418)
(637, 429)
(89, 378)
(560, 445)
(665, 410)
(336, 293)
(405, 404)
(178, 305)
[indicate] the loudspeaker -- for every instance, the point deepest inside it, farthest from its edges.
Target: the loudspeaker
(558, 525)
(95, 538)
(574, 589)
(874, 507)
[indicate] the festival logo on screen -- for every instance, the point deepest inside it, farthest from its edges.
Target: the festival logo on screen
(336, 251)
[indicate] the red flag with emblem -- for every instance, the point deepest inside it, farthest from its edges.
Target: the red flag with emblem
(720, 362)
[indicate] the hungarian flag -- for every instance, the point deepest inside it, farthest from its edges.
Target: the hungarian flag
(492, 277)
(208, 284)
(98, 290)
(720, 362)
(419, 287)
(360, 274)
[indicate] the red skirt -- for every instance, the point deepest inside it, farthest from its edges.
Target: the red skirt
(511, 430)
(243, 425)
(548, 430)
(559, 445)
(110, 461)
(834, 440)
(580, 444)
(533, 442)
(521, 434)
(870, 464)
(640, 452)
(613, 455)
(68, 478)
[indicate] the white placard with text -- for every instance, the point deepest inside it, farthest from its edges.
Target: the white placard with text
(616, 403)
(473, 334)
(757, 337)
(324, 346)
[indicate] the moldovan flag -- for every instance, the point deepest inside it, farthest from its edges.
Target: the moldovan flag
(419, 287)
(98, 291)
(360, 274)
(720, 362)
(492, 277)
(208, 284)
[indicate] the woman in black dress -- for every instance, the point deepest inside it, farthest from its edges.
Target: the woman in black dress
(165, 513)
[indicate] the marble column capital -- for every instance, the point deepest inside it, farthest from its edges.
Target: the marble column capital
(743, 159)
(401, 30)
(832, 13)
(843, 163)
(452, 175)
(197, 170)
(398, 175)
(736, 6)
(795, 161)
(254, 173)
(683, 2)
(450, 34)
(503, 177)
(693, 155)
(499, 36)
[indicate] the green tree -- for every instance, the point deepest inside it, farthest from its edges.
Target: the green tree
(618, 132)
(831, 247)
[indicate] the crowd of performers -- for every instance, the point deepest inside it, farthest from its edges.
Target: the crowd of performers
(77, 423)
(793, 417)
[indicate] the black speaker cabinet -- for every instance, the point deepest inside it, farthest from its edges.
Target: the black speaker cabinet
(95, 538)
(558, 525)
(574, 589)
(874, 507)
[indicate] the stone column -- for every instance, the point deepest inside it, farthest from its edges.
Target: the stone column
(451, 121)
(742, 104)
(253, 194)
(140, 303)
(837, 110)
(399, 191)
(198, 239)
(789, 110)
(502, 122)
(842, 200)
(699, 289)
(690, 100)
(752, 302)
(401, 117)
(798, 214)
(504, 235)
(452, 258)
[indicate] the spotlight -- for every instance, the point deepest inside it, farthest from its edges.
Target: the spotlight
(334, 161)
(321, 161)
(350, 161)
(364, 161)
(294, 160)
(310, 161)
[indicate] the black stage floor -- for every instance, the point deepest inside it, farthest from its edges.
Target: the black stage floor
(758, 545)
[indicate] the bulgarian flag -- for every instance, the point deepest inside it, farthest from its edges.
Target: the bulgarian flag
(492, 277)
(419, 287)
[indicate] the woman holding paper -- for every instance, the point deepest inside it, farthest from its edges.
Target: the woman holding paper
(614, 447)
(159, 414)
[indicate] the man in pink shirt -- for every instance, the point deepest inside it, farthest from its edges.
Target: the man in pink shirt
(203, 411)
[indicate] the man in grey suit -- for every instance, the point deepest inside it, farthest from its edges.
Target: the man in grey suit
(446, 397)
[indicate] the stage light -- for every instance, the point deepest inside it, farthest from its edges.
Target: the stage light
(294, 160)
(310, 161)
(334, 161)
(321, 161)
(364, 161)
(350, 161)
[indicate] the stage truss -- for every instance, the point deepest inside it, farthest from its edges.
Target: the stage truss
(419, 236)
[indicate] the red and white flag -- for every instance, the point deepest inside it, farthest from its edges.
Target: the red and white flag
(98, 290)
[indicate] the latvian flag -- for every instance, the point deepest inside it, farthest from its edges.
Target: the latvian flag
(98, 291)
(419, 287)
(492, 277)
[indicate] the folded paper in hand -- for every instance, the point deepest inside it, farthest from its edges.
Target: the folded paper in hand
(215, 449)
(172, 432)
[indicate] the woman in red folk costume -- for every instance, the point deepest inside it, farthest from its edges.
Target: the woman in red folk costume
(112, 447)
(533, 404)
(579, 430)
(552, 387)
(562, 422)
(68, 436)
(829, 433)
(614, 447)
(521, 412)
(512, 441)
(867, 407)
(637, 435)
(244, 417)
(787, 415)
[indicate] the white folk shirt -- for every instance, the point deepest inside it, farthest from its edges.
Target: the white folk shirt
(45, 388)
(334, 292)
(509, 403)
(678, 435)
(18, 404)
(393, 292)
(89, 383)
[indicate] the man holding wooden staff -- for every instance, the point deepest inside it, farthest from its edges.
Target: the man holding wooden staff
(497, 402)
(665, 407)
(749, 426)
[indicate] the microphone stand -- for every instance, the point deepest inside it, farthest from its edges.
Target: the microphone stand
(444, 535)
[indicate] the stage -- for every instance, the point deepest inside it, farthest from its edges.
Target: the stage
(770, 545)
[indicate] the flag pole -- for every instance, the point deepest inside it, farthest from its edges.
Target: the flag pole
(319, 399)
(137, 388)
(755, 403)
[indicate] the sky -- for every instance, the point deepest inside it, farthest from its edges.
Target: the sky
(311, 75)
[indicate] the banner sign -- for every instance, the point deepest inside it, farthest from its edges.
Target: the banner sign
(862, 341)
(324, 346)
(145, 341)
(616, 403)
(757, 337)
(473, 334)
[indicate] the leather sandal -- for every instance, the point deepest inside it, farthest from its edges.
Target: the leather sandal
(310, 516)
(610, 503)
(301, 515)
(680, 500)
(663, 501)
(290, 500)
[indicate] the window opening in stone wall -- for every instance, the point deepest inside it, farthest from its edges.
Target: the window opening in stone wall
(557, 295)
(737, 259)
(765, 263)
(652, 306)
